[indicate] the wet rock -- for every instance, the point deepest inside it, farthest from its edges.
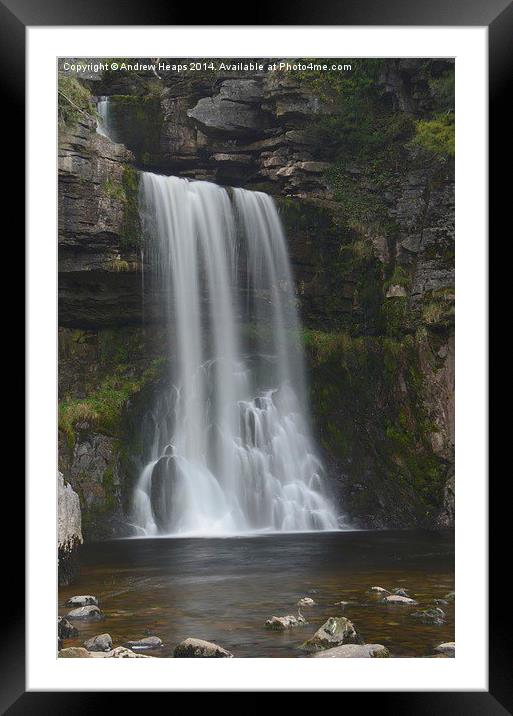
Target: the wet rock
(148, 642)
(354, 651)
(82, 601)
(398, 599)
(198, 648)
(102, 642)
(65, 630)
(379, 590)
(334, 632)
(450, 596)
(283, 623)
(430, 616)
(448, 648)
(401, 592)
(441, 602)
(89, 612)
(121, 652)
(306, 602)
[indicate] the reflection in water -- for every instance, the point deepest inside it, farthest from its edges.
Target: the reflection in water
(223, 590)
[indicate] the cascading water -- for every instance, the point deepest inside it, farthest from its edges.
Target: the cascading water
(102, 107)
(231, 451)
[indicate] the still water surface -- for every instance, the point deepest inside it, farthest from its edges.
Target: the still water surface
(223, 590)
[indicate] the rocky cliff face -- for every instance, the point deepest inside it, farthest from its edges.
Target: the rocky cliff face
(371, 238)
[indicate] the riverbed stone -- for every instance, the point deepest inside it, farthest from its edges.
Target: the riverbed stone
(448, 648)
(83, 600)
(91, 611)
(336, 631)
(400, 600)
(148, 642)
(354, 651)
(400, 592)
(433, 615)
(101, 642)
(198, 648)
(74, 652)
(282, 623)
(65, 630)
(379, 590)
(306, 602)
(120, 652)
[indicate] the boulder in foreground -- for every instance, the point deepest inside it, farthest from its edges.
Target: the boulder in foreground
(120, 652)
(101, 642)
(198, 648)
(65, 630)
(448, 648)
(354, 651)
(335, 632)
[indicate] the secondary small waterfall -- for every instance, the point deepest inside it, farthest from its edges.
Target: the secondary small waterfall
(231, 448)
(102, 107)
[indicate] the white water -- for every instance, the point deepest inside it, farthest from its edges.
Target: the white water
(231, 449)
(102, 107)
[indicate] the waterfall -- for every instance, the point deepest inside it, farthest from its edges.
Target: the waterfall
(231, 450)
(102, 107)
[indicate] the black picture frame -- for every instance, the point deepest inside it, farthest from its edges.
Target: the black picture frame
(497, 15)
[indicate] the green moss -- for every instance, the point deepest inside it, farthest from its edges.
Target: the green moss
(436, 136)
(132, 232)
(137, 121)
(74, 101)
(114, 189)
(103, 408)
(368, 405)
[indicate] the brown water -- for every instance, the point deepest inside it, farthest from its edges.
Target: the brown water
(223, 590)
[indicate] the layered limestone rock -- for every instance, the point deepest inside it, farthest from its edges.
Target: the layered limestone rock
(69, 531)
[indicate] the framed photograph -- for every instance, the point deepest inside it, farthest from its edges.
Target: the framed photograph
(257, 354)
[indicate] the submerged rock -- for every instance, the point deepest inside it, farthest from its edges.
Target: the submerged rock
(101, 642)
(82, 601)
(448, 648)
(354, 651)
(430, 616)
(400, 592)
(398, 599)
(335, 632)
(148, 642)
(283, 623)
(198, 648)
(379, 590)
(65, 630)
(89, 612)
(306, 602)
